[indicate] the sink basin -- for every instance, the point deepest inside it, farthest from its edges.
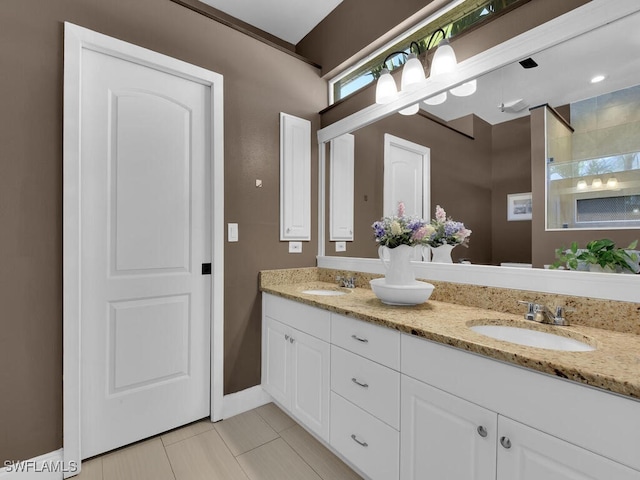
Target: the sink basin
(532, 338)
(325, 292)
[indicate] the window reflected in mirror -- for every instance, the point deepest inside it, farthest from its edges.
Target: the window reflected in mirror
(593, 163)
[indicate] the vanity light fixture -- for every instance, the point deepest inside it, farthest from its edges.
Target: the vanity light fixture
(412, 77)
(597, 183)
(444, 61)
(581, 185)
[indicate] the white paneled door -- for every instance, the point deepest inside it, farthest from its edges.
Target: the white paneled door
(407, 177)
(145, 233)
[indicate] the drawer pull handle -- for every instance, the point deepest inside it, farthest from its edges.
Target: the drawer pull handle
(505, 442)
(363, 385)
(355, 439)
(360, 339)
(482, 431)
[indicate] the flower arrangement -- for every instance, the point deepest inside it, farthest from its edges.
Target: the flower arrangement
(447, 231)
(400, 229)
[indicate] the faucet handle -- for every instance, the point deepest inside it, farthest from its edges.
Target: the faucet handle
(559, 315)
(530, 315)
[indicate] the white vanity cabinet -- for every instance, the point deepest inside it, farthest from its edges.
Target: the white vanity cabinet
(525, 453)
(365, 396)
(466, 416)
(398, 406)
(444, 436)
(296, 360)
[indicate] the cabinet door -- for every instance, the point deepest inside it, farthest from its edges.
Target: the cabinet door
(295, 178)
(276, 378)
(443, 436)
(310, 382)
(341, 188)
(525, 453)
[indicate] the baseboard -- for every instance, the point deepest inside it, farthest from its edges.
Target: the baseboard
(49, 466)
(243, 401)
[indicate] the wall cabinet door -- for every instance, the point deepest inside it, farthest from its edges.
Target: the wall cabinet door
(443, 436)
(310, 368)
(276, 354)
(525, 453)
(342, 155)
(295, 178)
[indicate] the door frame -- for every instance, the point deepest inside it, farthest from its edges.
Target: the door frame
(77, 39)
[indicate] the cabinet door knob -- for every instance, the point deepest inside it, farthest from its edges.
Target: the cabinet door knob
(363, 385)
(286, 337)
(355, 439)
(482, 431)
(291, 340)
(505, 442)
(360, 339)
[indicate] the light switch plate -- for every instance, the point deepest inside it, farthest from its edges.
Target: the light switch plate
(295, 247)
(341, 246)
(232, 232)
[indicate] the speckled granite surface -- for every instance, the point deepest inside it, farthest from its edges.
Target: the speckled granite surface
(613, 366)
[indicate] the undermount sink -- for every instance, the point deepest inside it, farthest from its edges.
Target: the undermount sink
(325, 292)
(532, 338)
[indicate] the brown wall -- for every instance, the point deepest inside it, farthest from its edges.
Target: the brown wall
(335, 39)
(511, 241)
(545, 243)
(259, 82)
(342, 34)
(460, 173)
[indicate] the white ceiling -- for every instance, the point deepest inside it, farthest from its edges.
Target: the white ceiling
(289, 20)
(562, 77)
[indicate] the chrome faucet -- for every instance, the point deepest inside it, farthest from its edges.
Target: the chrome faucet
(347, 282)
(541, 314)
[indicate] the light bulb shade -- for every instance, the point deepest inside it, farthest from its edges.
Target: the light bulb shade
(412, 110)
(581, 185)
(597, 183)
(612, 182)
(466, 89)
(386, 89)
(437, 100)
(412, 74)
(444, 60)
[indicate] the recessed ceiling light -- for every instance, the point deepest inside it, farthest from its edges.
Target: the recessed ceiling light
(597, 78)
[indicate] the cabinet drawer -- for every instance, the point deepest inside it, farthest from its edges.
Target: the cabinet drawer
(376, 343)
(371, 445)
(314, 321)
(373, 387)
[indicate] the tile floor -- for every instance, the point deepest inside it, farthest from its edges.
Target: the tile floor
(262, 444)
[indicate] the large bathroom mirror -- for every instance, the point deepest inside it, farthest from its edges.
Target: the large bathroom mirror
(480, 146)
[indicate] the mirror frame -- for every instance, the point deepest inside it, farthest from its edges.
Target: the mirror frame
(570, 25)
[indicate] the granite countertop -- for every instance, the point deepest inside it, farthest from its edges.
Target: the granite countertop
(614, 365)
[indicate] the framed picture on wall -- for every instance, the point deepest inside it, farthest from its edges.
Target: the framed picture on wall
(518, 206)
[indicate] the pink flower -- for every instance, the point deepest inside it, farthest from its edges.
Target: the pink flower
(441, 215)
(401, 209)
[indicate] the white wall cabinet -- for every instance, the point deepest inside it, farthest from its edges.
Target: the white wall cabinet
(295, 178)
(295, 364)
